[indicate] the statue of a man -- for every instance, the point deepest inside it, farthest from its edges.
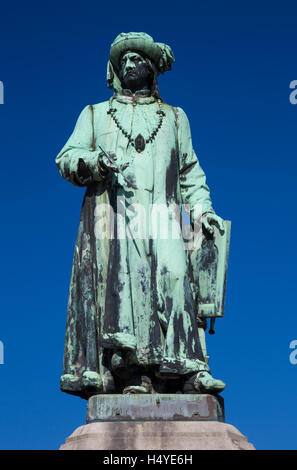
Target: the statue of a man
(132, 319)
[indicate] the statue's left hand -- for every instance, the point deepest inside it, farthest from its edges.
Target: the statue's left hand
(209, 219)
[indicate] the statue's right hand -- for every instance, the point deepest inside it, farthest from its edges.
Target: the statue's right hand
(107, 164)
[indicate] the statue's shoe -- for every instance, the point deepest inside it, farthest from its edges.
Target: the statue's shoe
(134, 389)
(204, 383)
(144, 386)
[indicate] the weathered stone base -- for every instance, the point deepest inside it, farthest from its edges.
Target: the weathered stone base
(157, 435)
(156, 422)
(155, 407)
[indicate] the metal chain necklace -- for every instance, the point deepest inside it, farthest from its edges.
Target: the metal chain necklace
(139, 142)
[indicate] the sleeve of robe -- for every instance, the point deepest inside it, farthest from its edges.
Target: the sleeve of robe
(78, 160)
(194, 190)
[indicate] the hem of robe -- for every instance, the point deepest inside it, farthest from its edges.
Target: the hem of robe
(153, 356)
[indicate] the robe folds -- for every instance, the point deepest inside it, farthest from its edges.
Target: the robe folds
(130, 287)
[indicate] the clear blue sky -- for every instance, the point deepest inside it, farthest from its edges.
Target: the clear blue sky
(234, 63)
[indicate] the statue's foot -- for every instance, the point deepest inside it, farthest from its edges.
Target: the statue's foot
(203, 382)
(133, 389)
(145, 386)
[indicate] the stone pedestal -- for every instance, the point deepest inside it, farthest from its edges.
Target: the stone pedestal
(156, 435)
(156, 422)
(163, 407)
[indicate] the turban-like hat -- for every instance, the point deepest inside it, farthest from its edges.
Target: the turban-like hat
(160, 54)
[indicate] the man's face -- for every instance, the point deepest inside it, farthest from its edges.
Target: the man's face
(134, 71)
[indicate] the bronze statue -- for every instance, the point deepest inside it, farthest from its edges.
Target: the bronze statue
(135, 296)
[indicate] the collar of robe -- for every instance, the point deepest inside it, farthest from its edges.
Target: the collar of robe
(139, 97)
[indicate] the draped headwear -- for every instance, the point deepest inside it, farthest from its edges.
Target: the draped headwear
(159, 54)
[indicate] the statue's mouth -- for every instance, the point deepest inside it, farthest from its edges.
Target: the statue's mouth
(131, 73)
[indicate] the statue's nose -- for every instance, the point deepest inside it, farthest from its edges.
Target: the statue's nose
(129, 65)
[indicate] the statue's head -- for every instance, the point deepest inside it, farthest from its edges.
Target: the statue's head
(136, 71)
(136, 61)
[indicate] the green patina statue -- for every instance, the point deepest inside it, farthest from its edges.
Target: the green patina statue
(139, 299)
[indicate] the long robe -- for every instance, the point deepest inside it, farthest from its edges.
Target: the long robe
(131, 294)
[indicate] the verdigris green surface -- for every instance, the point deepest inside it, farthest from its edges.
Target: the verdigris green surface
(132, 308)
